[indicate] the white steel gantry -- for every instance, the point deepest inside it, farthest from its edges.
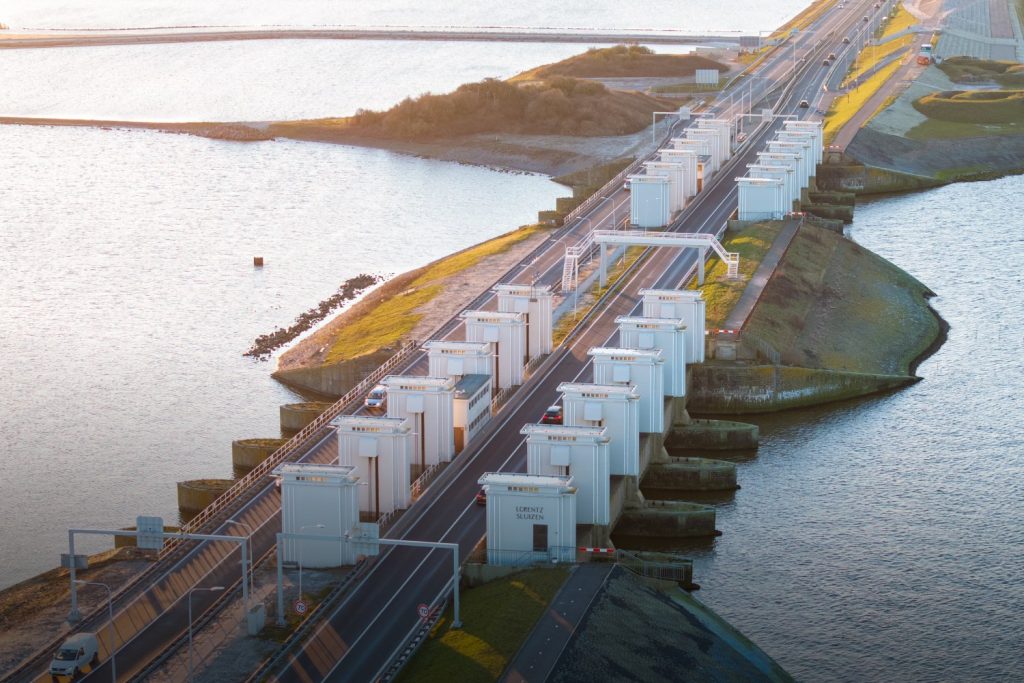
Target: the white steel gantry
(679, 240)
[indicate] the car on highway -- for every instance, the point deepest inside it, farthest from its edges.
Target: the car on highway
(804, 104)
(625, 185)
(846, 40)
(825, 62)
(866, 19)
(552, 416)
(377, 398)
(77, 651)
(481, 497)
(831, 55)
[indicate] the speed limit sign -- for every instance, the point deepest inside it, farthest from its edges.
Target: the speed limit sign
(300, 606)
(423, 610)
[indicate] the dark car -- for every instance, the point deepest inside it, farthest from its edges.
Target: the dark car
(552, 416)
(846, 40)
(481, 497)
(825, 62)
(804, 104)
(831, 55)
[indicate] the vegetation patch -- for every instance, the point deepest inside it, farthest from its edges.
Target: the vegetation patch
(974, 106)
(969, 70)
(589, 299)
(722, 294)
(875, 54)
(387, 322)
(556, 106)
(901, 22)
(623, 61)
(497, 617)
(801, 21)
(846, 107)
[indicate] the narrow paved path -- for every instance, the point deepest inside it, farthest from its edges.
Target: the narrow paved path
(745, 306)
(537, 657)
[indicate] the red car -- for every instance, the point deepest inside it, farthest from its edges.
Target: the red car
(552, 416)
(481, 497)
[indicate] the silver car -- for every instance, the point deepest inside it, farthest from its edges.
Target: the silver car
(377, 398)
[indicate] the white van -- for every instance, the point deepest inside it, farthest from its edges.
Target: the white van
(77, 651)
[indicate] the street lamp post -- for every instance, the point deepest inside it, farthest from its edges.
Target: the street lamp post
(252, 567)
(110, 613)
(307, 526)
(193, 590)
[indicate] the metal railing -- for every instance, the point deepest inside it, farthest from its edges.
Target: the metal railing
(424, 480)
(292, 446)
(667, 567)
(501, 397)
(416, 638)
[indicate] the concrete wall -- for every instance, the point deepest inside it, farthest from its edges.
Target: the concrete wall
(668, 519)
(334, 380)
(712, 435)
(765, 388)
(861, 179)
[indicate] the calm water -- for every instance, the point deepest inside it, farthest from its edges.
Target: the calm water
(883, 539)
(128, 297)
(689, 15)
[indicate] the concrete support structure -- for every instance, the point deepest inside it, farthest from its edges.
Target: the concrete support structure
(529, 516)
(790, 161)
(813, 127)
(702, 148)
(643, 369)
(471, 408)
(657, 333)
(535, 302)
(507, 332)
(689, 161)
(807, 139)
(800, 150)
(458, 358)
(724, 129)
(318, 500)
(380, 450)
(790, 186)
(578, 452)
(675, 304)
(614, 407)
(761, 199)
(716, 147)
(650, 201)
(675, 174)
(428, 404)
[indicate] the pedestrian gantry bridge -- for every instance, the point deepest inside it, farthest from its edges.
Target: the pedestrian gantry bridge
(680, 240)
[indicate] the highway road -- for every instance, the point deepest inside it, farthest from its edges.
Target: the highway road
(358, 639)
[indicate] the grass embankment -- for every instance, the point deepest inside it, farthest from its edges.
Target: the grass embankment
(590, 298)
(721, 294)
(832, 304)
(497, 617)
(622, 61)
(845, 107)
(556, 106)
(974, 106)
(387, 321)
(967, 70)
(901, 22)
(875, 54)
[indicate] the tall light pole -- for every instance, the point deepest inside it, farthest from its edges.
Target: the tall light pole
(252, 567)
(191, 591)
(110, 613)
(307, 526)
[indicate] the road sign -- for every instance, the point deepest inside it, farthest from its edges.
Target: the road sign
(423, 610)
(79, 561)
(300, 606)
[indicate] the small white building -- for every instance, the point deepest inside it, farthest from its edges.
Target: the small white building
(813, 127)
(429, 405)
(507, 332)
(535, 302)
(789, 161)
(380, 449)
(529, 514)
(650, 201)
(472, 408)
(612, 406)
(578, 452)
(643, 369)
(318, 500)
(807, 139)
(458, 358)
(675, 304)
(675, 174)
(724, 129)
(800, 149)
(761, 199)
(791, 188)
(688, 159)
(658, 333)
(715, 147)
(704, 161)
